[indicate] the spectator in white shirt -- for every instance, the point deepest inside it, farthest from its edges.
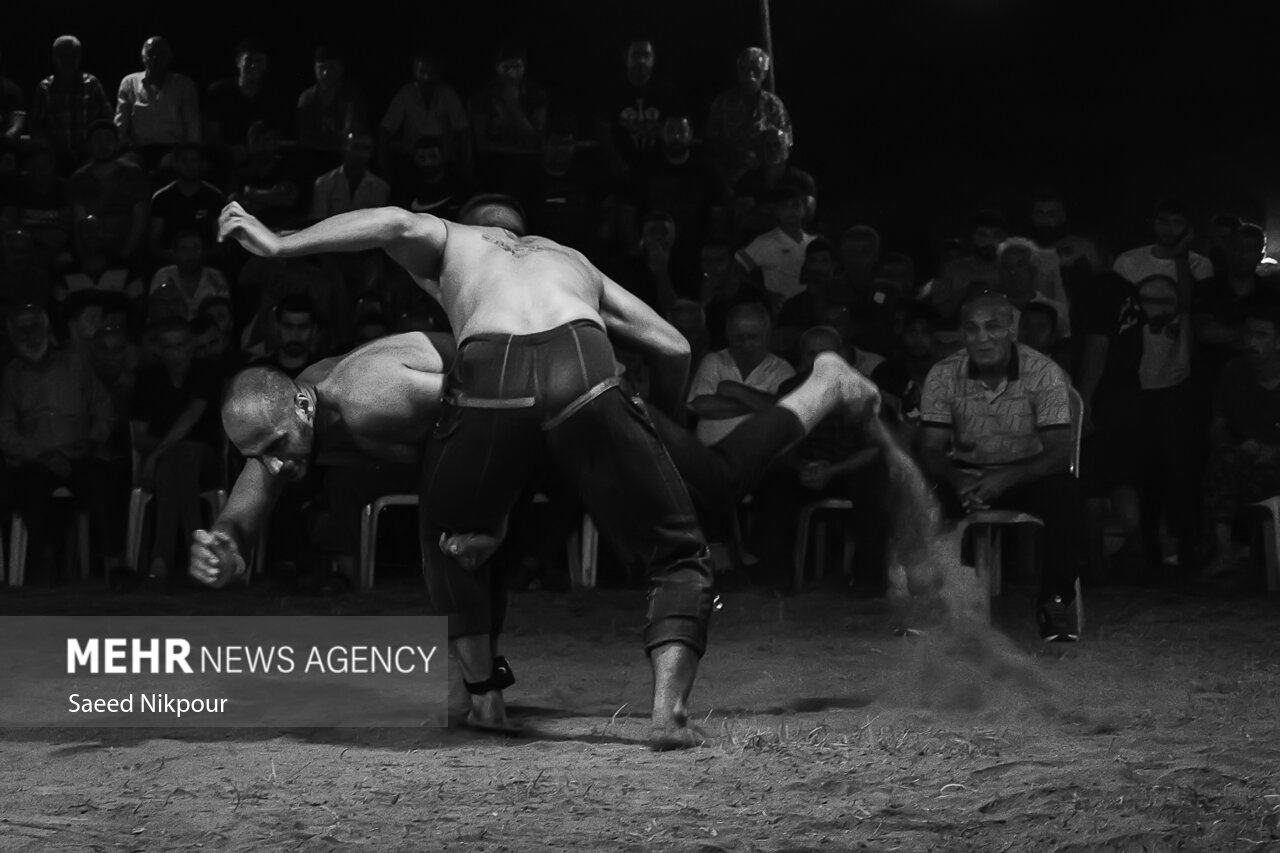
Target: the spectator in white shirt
(351, 186)
(735, 382)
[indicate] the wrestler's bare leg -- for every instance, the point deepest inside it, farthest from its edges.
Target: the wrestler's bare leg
(473, 655)
(833, 385)
(674, 668)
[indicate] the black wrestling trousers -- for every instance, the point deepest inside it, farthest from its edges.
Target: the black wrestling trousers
(515, 403)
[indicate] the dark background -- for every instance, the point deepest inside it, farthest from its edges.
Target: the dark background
(910, 114)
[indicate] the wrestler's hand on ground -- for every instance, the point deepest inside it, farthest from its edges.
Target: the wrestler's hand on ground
(247, 230)
(215, 558)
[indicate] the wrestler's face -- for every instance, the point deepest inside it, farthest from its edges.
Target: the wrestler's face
(282, 441)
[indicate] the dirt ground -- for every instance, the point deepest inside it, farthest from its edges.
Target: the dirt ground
(829, 732)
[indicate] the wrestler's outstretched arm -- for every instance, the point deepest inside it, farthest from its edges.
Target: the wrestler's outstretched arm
(217, 554)
(414, 240)
(633, 322)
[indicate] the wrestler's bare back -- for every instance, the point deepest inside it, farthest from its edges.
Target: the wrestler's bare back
(491, 281)
(383, 396)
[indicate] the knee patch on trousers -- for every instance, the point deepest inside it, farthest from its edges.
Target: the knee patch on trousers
(679, 613)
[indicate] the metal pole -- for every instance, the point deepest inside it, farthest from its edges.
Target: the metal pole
(771, 82)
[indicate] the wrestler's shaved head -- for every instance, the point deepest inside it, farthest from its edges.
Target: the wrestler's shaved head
(495, 211)
(259, 399)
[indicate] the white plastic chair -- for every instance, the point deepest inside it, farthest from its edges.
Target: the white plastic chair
(18, 543)
(810, 520)
(140, 498)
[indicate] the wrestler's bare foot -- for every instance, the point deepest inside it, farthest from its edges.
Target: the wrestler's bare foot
(858, 394)
(674, 668)
(831, 387)
(489, 714)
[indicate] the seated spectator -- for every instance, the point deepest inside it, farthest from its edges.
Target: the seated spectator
(330, 109)
(752, 213)
(680, 178)
(901, 377)
(563, 195)
(97, 273)
(84, 314)
(424, 107)
(1244, 466)
(55, 421)
(315, 277)
(431, 184)
(41, 206)
(67, 103)
(649, 273)
(739, 117)
(296, 331)
(233, 104)
(187, 203)
(1080, 255)
(211, 348)
(725, 285)
(178, 289)
(1038, 329)
(1020, 278)
(1216, 302)
(351, 186)
(177, 399)
(371, 321)
(157, 108)
(996, 433)
(804, 310)
(739, 380)
(1171, 254)
(265, 184)
(779, 253)
(109, 197)
(975, 269)
(508, 118)
(832, 461)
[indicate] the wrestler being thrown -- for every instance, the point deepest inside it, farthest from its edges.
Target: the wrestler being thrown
(533, 378)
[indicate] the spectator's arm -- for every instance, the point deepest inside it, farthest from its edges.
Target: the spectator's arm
(1059, 448)
(753, 398)
(124, 112)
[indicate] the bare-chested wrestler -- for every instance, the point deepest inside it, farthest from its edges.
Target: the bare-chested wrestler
(534, 376)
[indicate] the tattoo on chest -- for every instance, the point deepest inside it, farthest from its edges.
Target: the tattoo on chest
(515, 249)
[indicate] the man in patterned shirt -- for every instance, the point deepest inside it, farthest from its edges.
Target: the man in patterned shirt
(739, 117)
(996, 433)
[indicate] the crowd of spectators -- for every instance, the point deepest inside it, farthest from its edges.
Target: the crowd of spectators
(125, 316)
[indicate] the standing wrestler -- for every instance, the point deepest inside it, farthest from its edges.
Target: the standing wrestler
(535, 377)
